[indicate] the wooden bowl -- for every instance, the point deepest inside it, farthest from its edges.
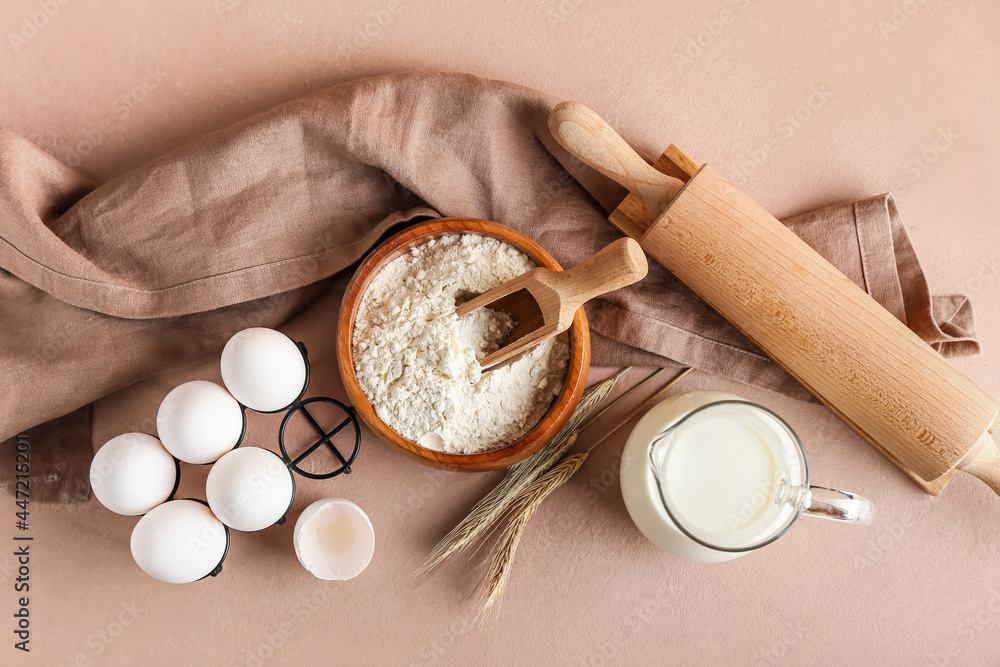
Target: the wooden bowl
(553, 420)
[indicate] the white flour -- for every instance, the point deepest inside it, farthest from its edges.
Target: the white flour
(418, 362)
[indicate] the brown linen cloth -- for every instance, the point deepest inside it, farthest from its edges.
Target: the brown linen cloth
(104, 285)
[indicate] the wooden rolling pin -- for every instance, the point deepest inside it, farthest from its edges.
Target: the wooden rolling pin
(826, 332)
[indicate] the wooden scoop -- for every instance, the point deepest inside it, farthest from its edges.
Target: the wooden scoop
(543, 302)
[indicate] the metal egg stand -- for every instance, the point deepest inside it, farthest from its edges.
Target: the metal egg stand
(325, 438)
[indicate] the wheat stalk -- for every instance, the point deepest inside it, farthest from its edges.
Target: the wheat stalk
(502, 559)
(524, 506)
(519, 476)
(547, 457)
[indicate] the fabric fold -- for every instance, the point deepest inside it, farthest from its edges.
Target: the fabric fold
(104, 285)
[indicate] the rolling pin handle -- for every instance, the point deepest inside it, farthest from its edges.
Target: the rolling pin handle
(983, 461)
(588, 137)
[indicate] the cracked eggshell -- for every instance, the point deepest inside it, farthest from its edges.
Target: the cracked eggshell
(334, 539)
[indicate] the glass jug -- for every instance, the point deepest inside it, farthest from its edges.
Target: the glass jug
(709, 476)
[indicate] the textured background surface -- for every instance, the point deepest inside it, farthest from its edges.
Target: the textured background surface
(803, 104)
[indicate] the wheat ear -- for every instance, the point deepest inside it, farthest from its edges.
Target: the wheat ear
(524, 506)
(502, 558)
(519, 476)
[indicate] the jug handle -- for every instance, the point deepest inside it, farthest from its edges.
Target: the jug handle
(839, 505)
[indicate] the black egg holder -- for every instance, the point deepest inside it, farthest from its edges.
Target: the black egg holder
(218, 568)
(325, 438)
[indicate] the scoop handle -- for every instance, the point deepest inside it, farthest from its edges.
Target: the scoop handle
(613, 267)
(587, 136)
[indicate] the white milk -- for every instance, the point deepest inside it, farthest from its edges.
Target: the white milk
(723, 475)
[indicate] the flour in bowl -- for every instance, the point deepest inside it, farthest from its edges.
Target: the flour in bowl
(418, 362)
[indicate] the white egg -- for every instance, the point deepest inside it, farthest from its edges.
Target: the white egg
(264, 369)
(179, 542)
(334, 539)
(132, 473)
(199, 421)
(249, 488)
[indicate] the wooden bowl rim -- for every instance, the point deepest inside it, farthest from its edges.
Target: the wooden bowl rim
(554, 418)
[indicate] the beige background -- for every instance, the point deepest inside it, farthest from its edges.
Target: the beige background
(802, 103)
